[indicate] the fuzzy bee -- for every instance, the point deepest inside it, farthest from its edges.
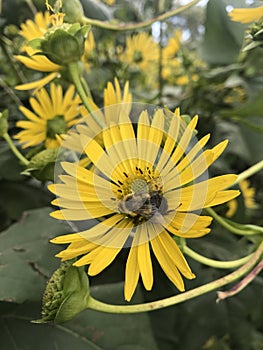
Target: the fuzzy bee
(142, 206)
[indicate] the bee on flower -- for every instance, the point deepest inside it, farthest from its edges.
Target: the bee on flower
(145, 188)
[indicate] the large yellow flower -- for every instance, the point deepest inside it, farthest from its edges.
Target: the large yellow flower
(143, 190)
(140, 52)
(53, 115)
(246, 15)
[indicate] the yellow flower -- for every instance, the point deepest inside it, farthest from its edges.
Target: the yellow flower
(248, 194)
(143, 191)
(172, 47)
(53, 114)
(89, 51)
(140, 51)
(35, 29)
(119, 101)
(246, 15)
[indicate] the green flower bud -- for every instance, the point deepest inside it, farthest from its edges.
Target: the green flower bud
(66, 294)
(73, 10)
(41, 165)
(3, 122)
(64, 44)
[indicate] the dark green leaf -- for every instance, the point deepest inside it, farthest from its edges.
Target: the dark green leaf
(27, 258)
(18, 333)
(223, 37)
(10, 168)
(30, 197)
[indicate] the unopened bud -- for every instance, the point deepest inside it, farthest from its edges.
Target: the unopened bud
(66, 294)
(41, 165)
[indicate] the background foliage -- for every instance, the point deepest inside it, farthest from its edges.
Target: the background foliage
(227, 94)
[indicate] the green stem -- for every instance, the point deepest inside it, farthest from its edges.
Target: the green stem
(31, 6)
(133, 26)
(74, 73)
(159, 304)
(228, 226)
(13, 148)
(216, 263)
(86, 88)
(249, 172)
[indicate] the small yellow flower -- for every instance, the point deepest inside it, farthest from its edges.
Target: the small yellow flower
(89, 51)
(53, 114)
(140, 51)
(246, 15)
(248, 194)
(143, 189)
(35, 29)
(172, 47)
(32, 30)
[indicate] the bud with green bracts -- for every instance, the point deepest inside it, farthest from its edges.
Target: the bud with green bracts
(65, 44)
(66, 294)
(41, 165)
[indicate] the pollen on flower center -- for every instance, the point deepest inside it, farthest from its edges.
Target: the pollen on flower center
(55, 126)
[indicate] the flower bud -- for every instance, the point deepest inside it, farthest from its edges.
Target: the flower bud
(73, 10)
(41, 165)
(66, 294)
(3, 122)
(65, 44)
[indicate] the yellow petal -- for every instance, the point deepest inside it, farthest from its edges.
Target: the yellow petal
(131, 273)
(175, 254)
(246, 15)
(144, 257)
(39, 83)
(167, 263)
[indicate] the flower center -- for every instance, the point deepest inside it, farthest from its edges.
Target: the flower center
(137, 56)
(55, 126)
(142, 197)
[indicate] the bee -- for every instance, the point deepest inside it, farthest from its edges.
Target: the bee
(142, 206)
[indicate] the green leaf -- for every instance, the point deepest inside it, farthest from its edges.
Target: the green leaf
(30, 196)
(96, 9)
(18, 333)
(27, 258)
(223, 38)
(10, 168)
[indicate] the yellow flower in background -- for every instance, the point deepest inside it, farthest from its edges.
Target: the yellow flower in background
(32, 30)
(248, 194)
(120, 102)
(140, 51)
(52, 114)
(172, 47)
(35, 29)
(143, 189)
(89, 51)
(246, 15)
